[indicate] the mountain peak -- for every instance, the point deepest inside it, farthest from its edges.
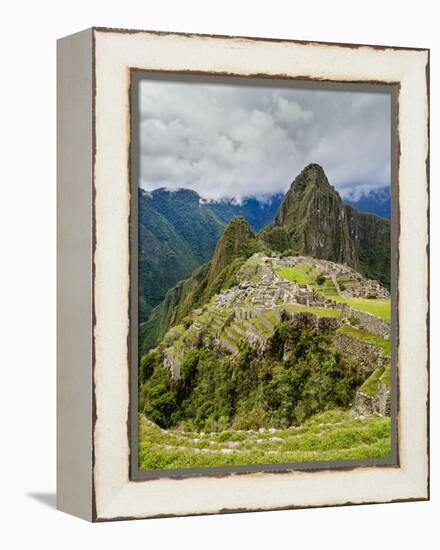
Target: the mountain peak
(236, 233)
(312, 175)
(237, 240)
(238, 223)
(315, 168)
(312, 220)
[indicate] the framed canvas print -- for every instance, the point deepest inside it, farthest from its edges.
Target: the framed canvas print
(242, 274)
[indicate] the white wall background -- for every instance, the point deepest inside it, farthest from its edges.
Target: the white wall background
(27, 301)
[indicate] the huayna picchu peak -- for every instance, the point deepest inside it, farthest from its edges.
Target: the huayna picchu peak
(313, 220)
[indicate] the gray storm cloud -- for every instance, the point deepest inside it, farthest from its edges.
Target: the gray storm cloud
(228, 141)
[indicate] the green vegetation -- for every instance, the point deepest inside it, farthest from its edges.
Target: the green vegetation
(250, 390)
(190, 231)
(381, 343)
(374, 245)
(328, 289)
(380, 307)
(302, 273)
(320, 232)
(327, 232)
(237, 244)
(172, 310)
(320, 311)
(276, 238)
(332, 435)
(256, 385)
(386, 377)
(178, 233)
(249, 271)
(370, 386)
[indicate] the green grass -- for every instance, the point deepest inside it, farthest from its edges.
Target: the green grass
(233, 334)
(230, 338)
(321, 311)
(250, 270)
(302, 274)
(370, 386)
(380, 307)
(272, 317)
(260, 326)
(361, 334)
(332, 435)
(327, 288)
(386, 377)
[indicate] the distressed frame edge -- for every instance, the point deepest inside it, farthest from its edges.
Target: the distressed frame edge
(352, 45)
(423, 491)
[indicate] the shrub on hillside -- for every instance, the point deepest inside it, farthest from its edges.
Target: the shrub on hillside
(251, 391)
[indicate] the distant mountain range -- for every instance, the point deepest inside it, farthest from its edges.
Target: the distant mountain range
(374, 202)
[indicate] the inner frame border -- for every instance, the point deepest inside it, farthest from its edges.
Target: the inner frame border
(135, 77)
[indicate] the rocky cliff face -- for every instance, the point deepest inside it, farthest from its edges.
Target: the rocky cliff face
(371, 235)
(312, 220)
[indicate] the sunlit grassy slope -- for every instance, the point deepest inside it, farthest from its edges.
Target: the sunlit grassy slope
(380, 307)
(303, 273)
(320, 311)
(332, 435)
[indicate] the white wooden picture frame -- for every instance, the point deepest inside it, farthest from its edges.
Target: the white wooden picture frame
(95, 477)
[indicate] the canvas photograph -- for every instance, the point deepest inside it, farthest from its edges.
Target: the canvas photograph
(264, 267)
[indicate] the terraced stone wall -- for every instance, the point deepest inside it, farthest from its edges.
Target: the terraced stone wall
(367, 355)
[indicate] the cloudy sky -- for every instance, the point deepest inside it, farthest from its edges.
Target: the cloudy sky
(228, 141)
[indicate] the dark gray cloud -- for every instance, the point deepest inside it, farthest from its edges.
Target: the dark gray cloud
(236, 141)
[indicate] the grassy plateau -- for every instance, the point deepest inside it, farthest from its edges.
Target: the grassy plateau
(304, 274)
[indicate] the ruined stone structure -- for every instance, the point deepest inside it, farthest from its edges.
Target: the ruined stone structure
(380, 403)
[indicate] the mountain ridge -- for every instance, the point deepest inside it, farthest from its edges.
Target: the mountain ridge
(375, 201)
